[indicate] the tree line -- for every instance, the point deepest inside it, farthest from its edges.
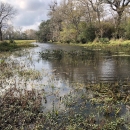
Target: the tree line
(16, 33)
(9, 32)
(86, 20)
(74, 21)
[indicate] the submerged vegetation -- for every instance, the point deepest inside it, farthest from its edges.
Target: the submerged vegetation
(25, 94)
(60, 54)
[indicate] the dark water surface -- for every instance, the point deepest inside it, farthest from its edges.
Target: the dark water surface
(61, 76)
(96, 67)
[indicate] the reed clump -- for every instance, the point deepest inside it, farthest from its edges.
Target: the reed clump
(19, 109)
(13, 45)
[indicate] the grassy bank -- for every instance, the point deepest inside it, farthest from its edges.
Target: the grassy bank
(16, 44)
(112, 45)
(119, 45)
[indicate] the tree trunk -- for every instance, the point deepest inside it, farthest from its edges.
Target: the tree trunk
(90, 20)
(118, 22)
(1, 39)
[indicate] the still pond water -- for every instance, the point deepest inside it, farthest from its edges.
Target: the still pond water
(97, 66)
(65, 73)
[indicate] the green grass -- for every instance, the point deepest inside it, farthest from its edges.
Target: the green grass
(14, 45)
(112, 45)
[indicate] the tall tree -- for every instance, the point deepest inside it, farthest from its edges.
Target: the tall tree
(87, 10)
(73, 13)
(56, 17)
(95, 14)
(6, 13)
(44, 33)
(31, 34)
(119, 6)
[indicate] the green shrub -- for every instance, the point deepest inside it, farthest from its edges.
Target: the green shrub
(7, 46)
(4, 43)
(90, 33)
(127, 31)
(104, 40)
(108, 30)
(11, 41)
(83, 40)
(87, 33)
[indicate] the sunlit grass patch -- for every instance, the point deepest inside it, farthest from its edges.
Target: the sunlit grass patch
(15, 44)
(24, 43)
(112, 46)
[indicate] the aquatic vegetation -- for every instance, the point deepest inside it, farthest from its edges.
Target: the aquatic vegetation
(71, 56)
(33, 99)
(30, 74)
(19, 108)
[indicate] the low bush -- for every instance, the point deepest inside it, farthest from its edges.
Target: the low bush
(4, 43)
(7, 46)
(13, 45)
(104, 40)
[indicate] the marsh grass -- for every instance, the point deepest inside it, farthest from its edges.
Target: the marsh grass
(105, 106)
(112, 46)
(25, 43)
(19, 109)
(6, 46)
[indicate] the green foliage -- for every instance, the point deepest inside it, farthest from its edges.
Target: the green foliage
(104, 40)
(4, 43)
(68, 34)
(108, 30)
(87, 33)
(90, 33)
(12, 41)
(44, 33)
(13, 45)
(6, 46)
(72, 22)
(127, 30)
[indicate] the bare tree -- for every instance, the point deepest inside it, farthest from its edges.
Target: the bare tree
(119, 6)
(55, 20)
(18, 32)
(95, 13)
(6, 13)
(87, 10)
(73, 13)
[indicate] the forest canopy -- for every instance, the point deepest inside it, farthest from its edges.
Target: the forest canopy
(86, 20)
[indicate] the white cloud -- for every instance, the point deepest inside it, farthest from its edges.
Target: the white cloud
(29, 12)
(22, 4)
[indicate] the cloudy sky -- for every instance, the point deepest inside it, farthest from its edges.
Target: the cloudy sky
(30, 13)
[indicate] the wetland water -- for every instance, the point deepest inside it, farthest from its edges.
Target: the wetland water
(95, 85)
(95, 67)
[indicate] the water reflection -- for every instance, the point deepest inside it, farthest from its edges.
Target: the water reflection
(95, 67)
(61, 79)
(92, 68)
